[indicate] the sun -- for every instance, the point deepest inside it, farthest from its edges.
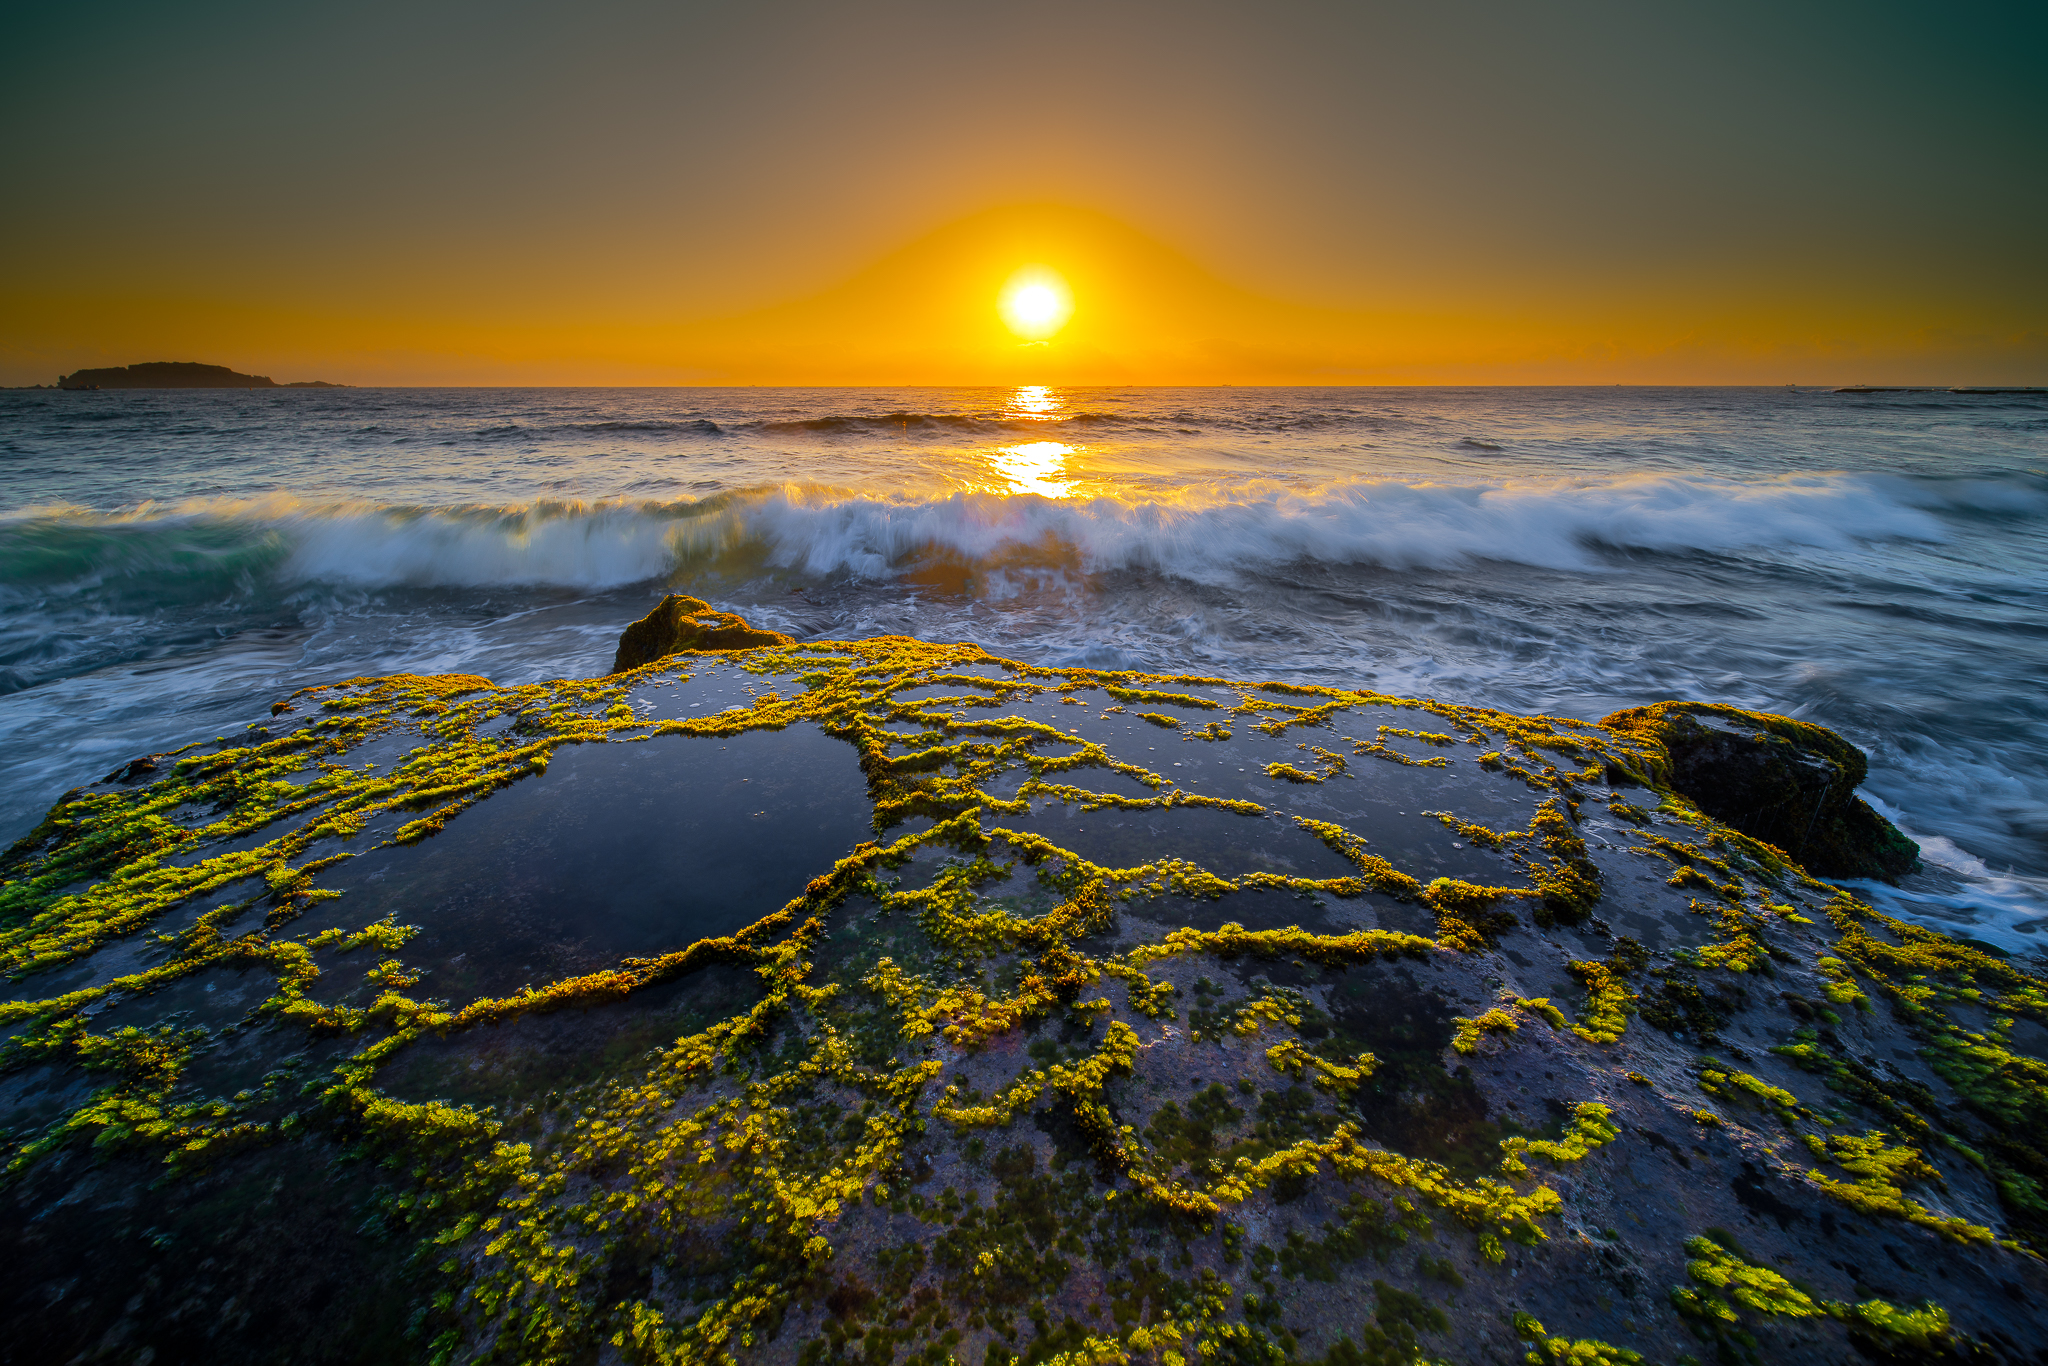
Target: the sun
(1036, 303)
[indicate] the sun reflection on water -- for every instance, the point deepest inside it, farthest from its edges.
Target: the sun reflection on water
(1034, 400)
(1033, 467)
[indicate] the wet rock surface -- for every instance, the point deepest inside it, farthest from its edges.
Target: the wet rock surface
(890, 1002)
(679, 622)
(1787, 782)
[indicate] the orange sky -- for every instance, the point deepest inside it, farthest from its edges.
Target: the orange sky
(818, 194)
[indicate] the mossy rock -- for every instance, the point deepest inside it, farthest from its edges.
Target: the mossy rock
(890, 1002)
(685, 623)
(1787, 782)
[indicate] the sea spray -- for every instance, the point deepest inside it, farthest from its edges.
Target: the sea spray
(1202, 532)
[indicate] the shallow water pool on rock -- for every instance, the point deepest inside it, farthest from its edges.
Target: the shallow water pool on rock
(617, 851)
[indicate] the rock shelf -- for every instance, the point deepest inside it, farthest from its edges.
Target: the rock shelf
(892, 1002)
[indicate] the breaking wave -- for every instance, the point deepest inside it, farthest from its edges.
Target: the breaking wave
(698, 426)
(897, 424)
(186, 552)
(893, 425)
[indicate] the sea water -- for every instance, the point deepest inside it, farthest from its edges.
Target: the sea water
(173, 561)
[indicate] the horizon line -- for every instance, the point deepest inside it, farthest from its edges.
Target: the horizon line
(320, 387)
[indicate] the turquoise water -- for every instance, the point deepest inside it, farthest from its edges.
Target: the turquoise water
(170, 562)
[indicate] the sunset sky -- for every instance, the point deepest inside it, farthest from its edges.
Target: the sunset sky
(838, 193)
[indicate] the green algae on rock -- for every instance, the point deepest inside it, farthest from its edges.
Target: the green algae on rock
(1050, 1034)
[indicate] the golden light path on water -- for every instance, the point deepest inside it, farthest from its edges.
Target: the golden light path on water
(1035, 400)
(1034, 466)
(1031, 467)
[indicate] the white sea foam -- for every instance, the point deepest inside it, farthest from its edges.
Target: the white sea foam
(576, 545)
(1969, 898)
(1213, 529)
(1203, 533)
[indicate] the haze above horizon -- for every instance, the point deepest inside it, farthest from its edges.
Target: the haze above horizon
(815, 195)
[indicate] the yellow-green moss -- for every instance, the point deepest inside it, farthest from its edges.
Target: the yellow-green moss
(1561, 1351)
(712, 1130)
(1608, 998)
(1724, 1282)
(1466, 1039)
(1590, 1128)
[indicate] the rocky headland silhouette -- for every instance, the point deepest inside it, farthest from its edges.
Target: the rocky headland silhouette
(179, 374)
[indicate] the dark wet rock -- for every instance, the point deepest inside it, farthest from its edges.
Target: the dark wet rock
(884, 1001)
(134, 769)
(1789, 783)
(685, 623)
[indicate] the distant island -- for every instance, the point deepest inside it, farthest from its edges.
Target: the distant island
(179, 374)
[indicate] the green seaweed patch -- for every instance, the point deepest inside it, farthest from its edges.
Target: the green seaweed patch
(1608, 999)
(1378, 747)
(1375, 871)
(1472, 1028)
(1729, 1085)
(1546, 1350)
(1675, 1002)
(1880, 1170)
(1724, 1283)
(1569, 882)
(1591, 1127)
(1154, 698)
(1470, 917)
(1480, 835)
(1622, 810)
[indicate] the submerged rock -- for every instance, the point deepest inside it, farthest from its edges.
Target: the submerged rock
(881, 1001)
(1788, 782)
(686, 623)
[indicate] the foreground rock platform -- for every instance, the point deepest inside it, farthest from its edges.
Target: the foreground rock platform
(891, 1002)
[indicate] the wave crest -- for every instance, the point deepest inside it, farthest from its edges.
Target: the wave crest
(848, 424)
(1202, 533)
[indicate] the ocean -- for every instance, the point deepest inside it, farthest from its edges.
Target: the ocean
(171, 562)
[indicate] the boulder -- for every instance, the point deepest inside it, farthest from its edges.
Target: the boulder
(1789, 783)
(686, 623)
